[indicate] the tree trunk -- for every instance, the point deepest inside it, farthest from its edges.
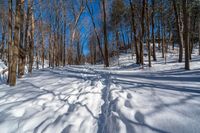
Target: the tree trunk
(37, 56)
(142, 35)
(43, 50)
(186, 33)
(54, 46)
(148, 33)
(31, 41)
(64, 39)
(163, 31)
(105, 34)
(50, 48)
(153, 37)
(22, 54)
(159, 35)
(179, 33)
(10, 41)
(134, 32)
(15, 46)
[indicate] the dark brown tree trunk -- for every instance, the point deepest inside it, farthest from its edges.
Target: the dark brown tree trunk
(159, 40)
(153, 37)
(10, 41)
(37, 56)
(64, 54)
(134, 32)
(186, 33)
(105, 34)
(142, 35)
(173, 41)
(31, 40)
(54, 47)
(179, 33)
(50, 49)
(148, 33)
(78, 49)
(163, 32)
(43, 54)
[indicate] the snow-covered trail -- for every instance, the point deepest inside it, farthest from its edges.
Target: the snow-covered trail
(51, 101)
(145, 101)
(90, 99)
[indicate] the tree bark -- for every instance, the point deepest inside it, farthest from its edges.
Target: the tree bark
(163, 32)
(64, 39)
(105, 34)
(148, 33)
(16, 45)
(186, 33)
(179, 33)
(142, 35)
(43, 54)
(31, 41)
(134, 32)
(10, 41)
(22, 49)
(153, 37)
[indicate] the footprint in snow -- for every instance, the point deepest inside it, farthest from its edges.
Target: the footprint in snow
(139, 117)
(128, 104)
(129, 96)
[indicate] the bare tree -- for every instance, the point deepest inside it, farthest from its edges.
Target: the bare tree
(31, 37)
(134, 31)
(148, 33)
(90, 10)
(105, 33)
(179, 31)
(153, 25)
(186, 33)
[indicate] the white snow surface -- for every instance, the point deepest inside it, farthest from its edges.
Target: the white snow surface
(94, 99)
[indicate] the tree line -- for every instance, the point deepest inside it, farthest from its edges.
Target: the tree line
(73, 32)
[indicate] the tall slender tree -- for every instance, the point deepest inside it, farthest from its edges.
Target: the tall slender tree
(105, 34)
(153, 28)
(186, 33)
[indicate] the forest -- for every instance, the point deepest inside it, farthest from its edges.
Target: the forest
(74, 32)
(102, 60)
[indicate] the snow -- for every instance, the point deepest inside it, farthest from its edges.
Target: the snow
(119, 99)
(3, 73)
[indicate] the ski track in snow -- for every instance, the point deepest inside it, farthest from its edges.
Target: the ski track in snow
(89, 99)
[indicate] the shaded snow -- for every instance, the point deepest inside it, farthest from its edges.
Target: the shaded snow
(120, 99)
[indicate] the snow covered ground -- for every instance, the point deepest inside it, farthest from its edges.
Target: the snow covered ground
(90, 99)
